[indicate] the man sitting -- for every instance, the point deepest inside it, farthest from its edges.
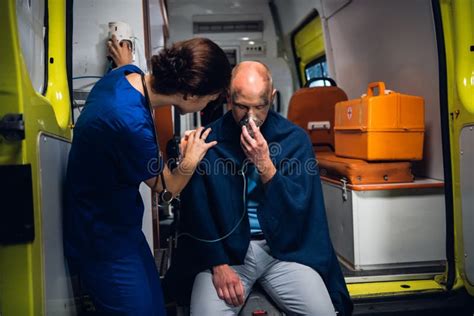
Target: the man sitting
(254, 212)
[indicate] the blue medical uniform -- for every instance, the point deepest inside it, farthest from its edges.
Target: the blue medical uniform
(113, 150)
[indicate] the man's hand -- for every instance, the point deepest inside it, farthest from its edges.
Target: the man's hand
(256, 150)
(121, 53)
(228, 285)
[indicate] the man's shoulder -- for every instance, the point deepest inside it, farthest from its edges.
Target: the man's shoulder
(220, 127)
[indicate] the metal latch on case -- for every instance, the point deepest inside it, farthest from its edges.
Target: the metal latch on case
(344, 188)
(318, 125)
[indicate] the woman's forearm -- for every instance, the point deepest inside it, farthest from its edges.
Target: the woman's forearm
(177, 179)
(194, 150)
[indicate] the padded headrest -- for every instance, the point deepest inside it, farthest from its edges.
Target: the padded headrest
(164, 126)
(316, 104)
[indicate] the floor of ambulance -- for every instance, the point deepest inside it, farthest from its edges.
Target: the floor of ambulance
(353, 275)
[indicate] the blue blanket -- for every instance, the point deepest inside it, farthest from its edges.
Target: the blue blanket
(291, 213)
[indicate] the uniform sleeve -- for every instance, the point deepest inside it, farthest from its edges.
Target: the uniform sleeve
(139, 159)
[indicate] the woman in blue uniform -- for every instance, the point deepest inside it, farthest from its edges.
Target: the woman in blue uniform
(114, 149)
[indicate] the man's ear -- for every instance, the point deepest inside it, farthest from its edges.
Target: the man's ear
(272, 98)
(274, 93)
(185, 96)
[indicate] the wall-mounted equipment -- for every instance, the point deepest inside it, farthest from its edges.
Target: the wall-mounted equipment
(123, 33)
(253, 48)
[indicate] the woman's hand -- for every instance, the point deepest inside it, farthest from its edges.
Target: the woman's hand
(194, 147)
(121, 52)
(228, 285)
(184, 142)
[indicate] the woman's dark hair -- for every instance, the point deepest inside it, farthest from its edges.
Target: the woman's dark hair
(193, 67)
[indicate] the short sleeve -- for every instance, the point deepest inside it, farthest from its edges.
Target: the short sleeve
(139, 159)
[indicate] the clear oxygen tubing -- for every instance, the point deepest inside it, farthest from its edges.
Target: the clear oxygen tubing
(244, 211)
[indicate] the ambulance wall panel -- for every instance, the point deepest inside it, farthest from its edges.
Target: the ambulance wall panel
(394, 42)
(90, 32)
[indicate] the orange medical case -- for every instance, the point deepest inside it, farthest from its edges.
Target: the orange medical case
(387, 126)
(357, 171)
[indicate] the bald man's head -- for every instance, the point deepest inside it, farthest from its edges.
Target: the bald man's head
(251, 90)
(252, 77)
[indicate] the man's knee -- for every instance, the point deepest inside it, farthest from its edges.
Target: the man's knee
(315, 299)
(316, 303)
(298, 289)
(204, 299)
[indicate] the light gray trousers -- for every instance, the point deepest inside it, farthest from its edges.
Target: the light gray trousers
(295, 288)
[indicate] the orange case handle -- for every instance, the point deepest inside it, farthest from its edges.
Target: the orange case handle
(373, 85)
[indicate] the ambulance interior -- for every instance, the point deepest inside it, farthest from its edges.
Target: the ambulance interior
(381, 232)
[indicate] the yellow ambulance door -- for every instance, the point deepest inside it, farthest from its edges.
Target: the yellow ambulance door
(457, 20)
(34, 137)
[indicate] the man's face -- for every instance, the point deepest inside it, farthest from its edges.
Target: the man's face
(246, 102)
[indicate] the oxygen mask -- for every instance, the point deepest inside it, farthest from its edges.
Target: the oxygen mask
(245, 121)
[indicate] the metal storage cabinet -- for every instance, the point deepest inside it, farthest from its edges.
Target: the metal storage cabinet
(387, 226)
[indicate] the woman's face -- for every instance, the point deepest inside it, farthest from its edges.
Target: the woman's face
(194, 103)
